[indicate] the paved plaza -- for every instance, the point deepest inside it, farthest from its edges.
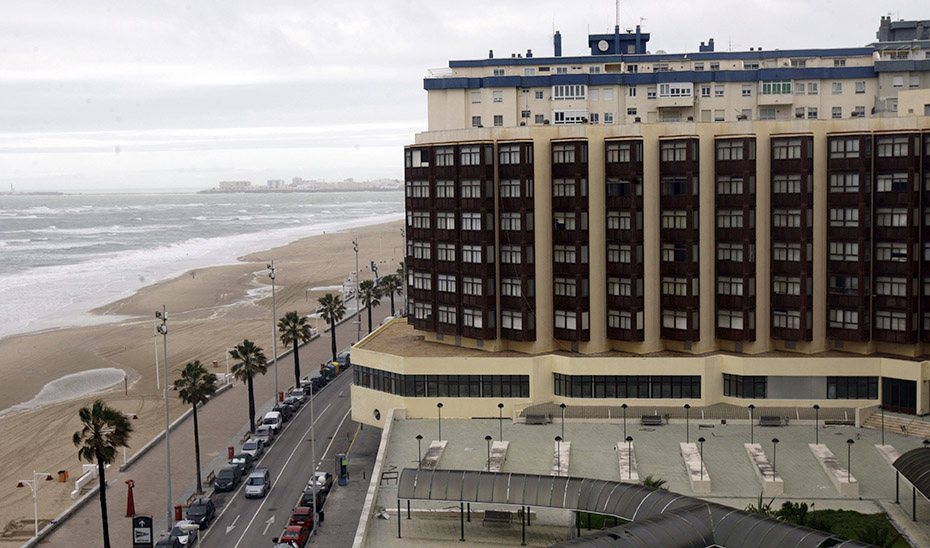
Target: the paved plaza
(594, 455)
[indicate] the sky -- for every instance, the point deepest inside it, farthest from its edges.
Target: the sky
(101, 94)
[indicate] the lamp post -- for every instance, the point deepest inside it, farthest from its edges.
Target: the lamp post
(419, 451)
(774, 455)
(882, 409)
(274, 338)
(439, 413)
(751, 408)
(624, 406)
(228, 349)
(849, 444)
(163, 329)
(313, 461)
(816, 424)
(34, 485)
(488, 439)
(701, 441)
(629, 456)
(562, 407)
(500, 419)
(558, 453)
(687, 423)
(358, 317)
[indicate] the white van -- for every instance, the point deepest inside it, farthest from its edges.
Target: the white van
(274, 420)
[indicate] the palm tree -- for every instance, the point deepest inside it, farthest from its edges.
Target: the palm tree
(391, 285)
(655, 483)
(371, 296)
(105, 430)
(195, 387)
(250, 361)
(295, 330)
(332, 309)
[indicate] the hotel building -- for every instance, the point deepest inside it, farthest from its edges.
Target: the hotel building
(654, 228)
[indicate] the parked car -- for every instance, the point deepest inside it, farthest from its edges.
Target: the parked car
(294, 535)
(307, 496)
(286, 409)
(324, 481)
(300, 394)
(186, 536)
(201, 512)
(243, 461)
(227, 478)
(344, 358)
(254, 447)
(258, 484)
(265, 434)
(302, 517)
(273, 420)
(295, 403)
(168, 542)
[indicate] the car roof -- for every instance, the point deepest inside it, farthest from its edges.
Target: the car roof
(259, 472)
(232, 467)
(301, 510)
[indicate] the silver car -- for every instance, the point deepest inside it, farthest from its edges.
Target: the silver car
(254, 447)
(258, 484)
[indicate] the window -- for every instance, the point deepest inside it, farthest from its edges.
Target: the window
(674, 253)
(844, 148)
(511, 254)
(812, 88)
(675, 219)
(837, 88)
(445, 220)
(509, 188)
(891, 251)
(445, 189)
(529, 72)
(472, 318)
(421, 280)
(650, 93)
(569, 92)
(538, 94)
(476, 121)
(565, 287)
(511, 287)
(594, 117)
(624, 152)
(563, 153)
(675, 90)
(631, 112)
(776, 87)
(730, 319)
(619, 253)
(743, 386)
(839, 62)
(509, 154)
(476, 97)
(445, 283)
(608, 117)
(421, 250)
(418, 219)
(915, 81)
(890, 286)
(859, 111)
(844, 251)
(566, 221)
(843, 319)
(498, 120)
(730, 150)
(844, 285)
(512, 319)
(674, 186)
(844, 216)
(563, 187)
(498, 96)
(705, 91)
(472, 286)
(730, 286)
(445, 252)
(787, 149)
(747, 90)
(750, 65)
(498, 72)
(422, 311)
(729, 218)
(566, 319)
(860, 87)
(619, 220)
(470, 156)
(786, 218)
(891, 217)
(510, 221)
(418, 189)
(892, 147)
(891, 182)
(730, 252)
(594, 70)
(852, 388)
(786, 285)
(561, 70)
(569, 254)
(471, 254)
(698, 67)
(783, 251)
(674, 151)
(786, 184)
(675, 286)
(767, 113)
(799, 88)
(471, 221)
(890, 320)
(608, 94)
(786, 319)
(811, 113)
(837, 112)
(718, 90)
(715, 65)
(539, 119)
(674, 319)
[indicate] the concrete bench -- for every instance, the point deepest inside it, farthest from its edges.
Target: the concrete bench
(433, 454)
(497, 517)
(650, 420)
(772, 484)
(498, 455)
(770, 420)
(627, 457)
(560, 458)
(210, 478)
(537, 419)
(697, 473)
(845, 483)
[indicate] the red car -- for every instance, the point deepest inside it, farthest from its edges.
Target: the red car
(294, 535)
(302, 517)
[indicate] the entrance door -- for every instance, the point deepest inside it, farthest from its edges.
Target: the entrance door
(899, 396)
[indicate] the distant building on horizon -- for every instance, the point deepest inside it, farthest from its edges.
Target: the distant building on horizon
(235, 186)
(626, 227)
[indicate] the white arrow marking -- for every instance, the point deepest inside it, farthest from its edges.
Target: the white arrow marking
(267, 525)
(233, 526)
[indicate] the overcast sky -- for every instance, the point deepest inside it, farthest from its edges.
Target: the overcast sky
(170, 94)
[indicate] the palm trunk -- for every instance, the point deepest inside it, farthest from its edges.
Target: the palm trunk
(392, 303)
(197, 451)
(296, 363)
(369, 318)
(332, 331)
(251, 408)
(104, 518)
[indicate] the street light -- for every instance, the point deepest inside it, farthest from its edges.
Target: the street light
(774, 455)
(439, 411)
(419, 451)
(882, 408)
(562, 407)
(34, 485)
(163, 329)
(687, 423)
(488, 439)
(500, 419)
(358, 317)
(629, 456)
(701, 441)
(624, 419)
(313, 461)
(558, 453)
(816, 424)
(274, 338)
(849, 444)
(228, 350)
(751, 408)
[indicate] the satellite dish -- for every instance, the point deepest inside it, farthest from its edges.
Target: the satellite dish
(603, 45)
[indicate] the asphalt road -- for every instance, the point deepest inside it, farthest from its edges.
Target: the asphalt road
(248, 523)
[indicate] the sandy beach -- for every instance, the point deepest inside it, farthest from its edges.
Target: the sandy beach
(208, 309)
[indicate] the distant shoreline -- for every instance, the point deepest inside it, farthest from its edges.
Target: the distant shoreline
(294, 190)
(47, 193)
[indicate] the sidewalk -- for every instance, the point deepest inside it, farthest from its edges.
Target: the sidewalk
(223, 421)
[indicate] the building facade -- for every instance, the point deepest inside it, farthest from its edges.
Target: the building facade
(608, 216)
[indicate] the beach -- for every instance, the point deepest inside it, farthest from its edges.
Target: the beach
(209, 310)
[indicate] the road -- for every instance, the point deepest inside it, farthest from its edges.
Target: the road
(248, 523)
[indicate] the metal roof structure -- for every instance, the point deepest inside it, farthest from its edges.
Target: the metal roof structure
(656, 517)
(915, 467)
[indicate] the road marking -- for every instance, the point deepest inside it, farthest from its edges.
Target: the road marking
(275, 482)
(267, 525)
(231, 527)
(323, 456)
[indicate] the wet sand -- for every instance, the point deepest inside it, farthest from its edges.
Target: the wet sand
(208, 310)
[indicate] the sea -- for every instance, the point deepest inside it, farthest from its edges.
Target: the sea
(64, 255)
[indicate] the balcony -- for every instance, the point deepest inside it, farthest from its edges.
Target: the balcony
(774, 99)
(675, 102)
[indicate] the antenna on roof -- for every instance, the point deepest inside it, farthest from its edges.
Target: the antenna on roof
(618, 13)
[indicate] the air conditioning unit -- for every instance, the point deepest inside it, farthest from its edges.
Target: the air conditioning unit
(637, 119)
(584, 120)
(740, 116)
(690, 118)
(799, 115)
(855, 114)
(546, 122)
(522, 123)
